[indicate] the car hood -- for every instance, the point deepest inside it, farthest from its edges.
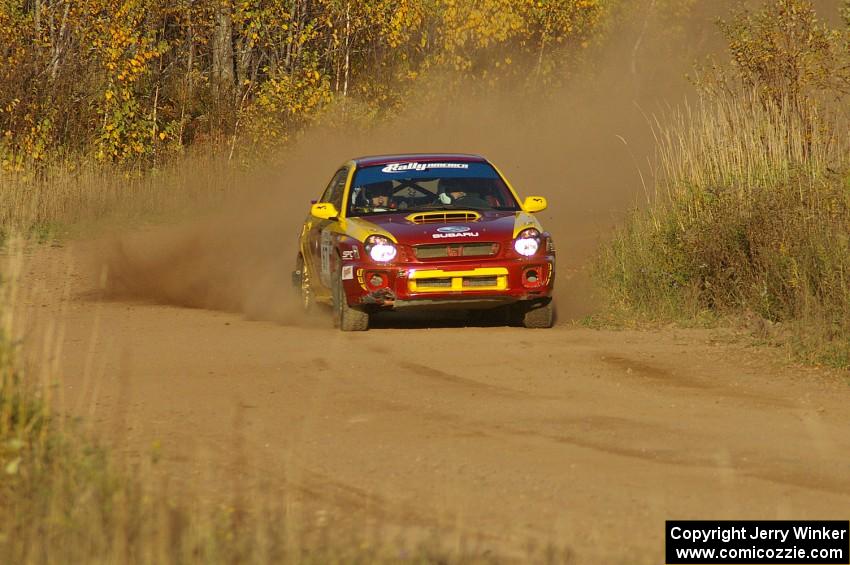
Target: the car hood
(407, 228)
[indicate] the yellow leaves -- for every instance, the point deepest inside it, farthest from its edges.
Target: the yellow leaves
(307, 53)
(285, 103)
(480, 36)
(127, 130)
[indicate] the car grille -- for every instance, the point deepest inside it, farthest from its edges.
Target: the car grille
(435, 283)
(456, 250)
(480, 281)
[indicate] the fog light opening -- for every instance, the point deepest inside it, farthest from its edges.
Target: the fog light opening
(377, 280)
(531, 277)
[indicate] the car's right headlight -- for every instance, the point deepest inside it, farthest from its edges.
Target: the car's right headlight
(380, 248)
(527, 242)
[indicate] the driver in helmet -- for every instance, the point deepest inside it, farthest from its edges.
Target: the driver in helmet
(454, 191)
(379, 195)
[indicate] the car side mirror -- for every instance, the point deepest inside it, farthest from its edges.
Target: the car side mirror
(324, 211)
(534, 204)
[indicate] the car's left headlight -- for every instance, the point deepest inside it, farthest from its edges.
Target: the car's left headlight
(527, 242)
(380, 248)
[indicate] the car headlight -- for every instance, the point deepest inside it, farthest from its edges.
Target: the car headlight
(380, 248)
(527, 242)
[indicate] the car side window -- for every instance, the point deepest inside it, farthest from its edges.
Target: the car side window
(333, 193)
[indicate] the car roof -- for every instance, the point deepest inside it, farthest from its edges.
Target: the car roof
(372, 160)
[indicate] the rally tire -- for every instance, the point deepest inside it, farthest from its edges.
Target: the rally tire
(539, 316)
(346, 318)
(306, 293)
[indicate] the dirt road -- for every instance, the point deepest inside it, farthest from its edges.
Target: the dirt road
(586, 439)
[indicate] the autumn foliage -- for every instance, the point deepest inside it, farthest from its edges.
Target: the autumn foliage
(131, 81)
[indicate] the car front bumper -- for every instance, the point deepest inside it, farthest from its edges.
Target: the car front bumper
(449, 284)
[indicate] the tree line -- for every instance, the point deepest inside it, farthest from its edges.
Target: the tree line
(131, 80)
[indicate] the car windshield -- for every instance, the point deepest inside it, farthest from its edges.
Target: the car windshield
(413, 186)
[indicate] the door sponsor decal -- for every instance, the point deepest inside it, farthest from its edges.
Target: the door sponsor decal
(325, 248)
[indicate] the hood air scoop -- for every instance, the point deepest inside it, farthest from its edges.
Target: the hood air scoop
(443, 217)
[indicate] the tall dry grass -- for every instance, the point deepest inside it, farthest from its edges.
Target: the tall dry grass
(78, 194)
(750, 217)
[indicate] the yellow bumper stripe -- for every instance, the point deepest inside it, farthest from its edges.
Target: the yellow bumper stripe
(457, 279)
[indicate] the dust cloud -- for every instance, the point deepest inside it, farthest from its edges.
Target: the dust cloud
(582, 147)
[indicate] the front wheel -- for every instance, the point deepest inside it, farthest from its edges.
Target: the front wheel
(304, 284)
(346, 318)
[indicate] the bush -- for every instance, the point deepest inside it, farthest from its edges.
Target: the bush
(751, 214)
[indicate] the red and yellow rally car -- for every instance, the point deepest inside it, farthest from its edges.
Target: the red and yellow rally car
(436, 231)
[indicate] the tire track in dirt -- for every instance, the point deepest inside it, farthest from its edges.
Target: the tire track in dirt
(605, 434)
(608, 435)
(465, 383)
(648, 374)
